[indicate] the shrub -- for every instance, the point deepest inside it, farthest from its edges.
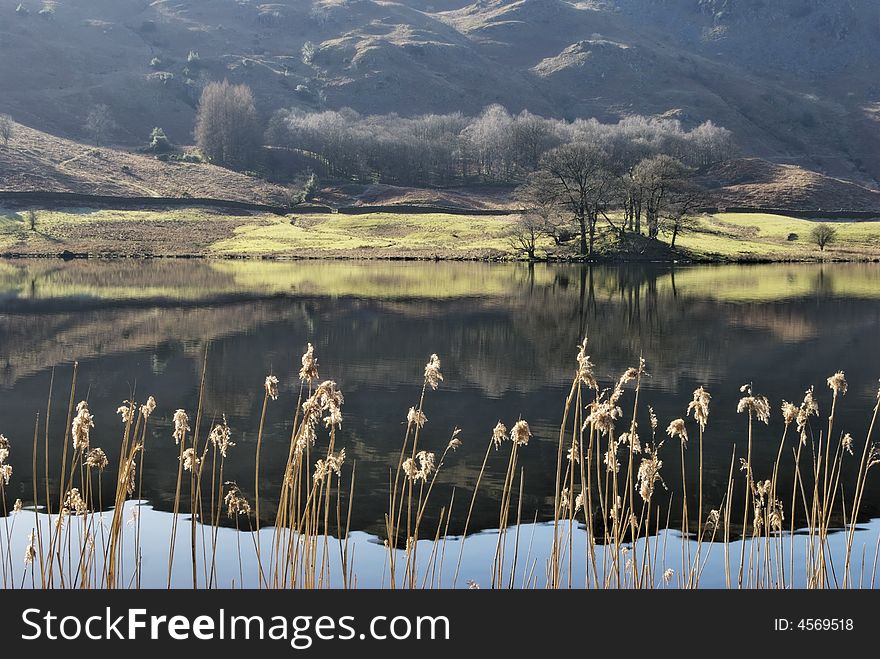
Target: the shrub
(159, 142)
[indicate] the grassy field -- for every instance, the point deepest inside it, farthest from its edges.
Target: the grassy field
(202, 232)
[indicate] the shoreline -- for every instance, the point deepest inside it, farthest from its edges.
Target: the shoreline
(603, 260)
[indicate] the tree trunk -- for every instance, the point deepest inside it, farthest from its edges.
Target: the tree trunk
(674, 236)
(582, 221)
(592, 235)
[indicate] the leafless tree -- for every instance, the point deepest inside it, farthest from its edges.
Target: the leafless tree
(100, 123)
(525, 234)
(227, 129)
(6, 128)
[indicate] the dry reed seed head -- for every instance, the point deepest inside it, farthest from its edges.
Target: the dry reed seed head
(331, 402)
(96, 459)
(416, 418)
(610, 459)
(847, 442)
(309, 371)
(763, 488)
(16, 508)
(777, 516)
(333, 464)
(126, 411)
(653, 417)
(272, 387)
(135, 515)
(4, 449)
(628, 438)
(677, 429)
(129, 485)
(221, 437)
(472, 585)
(235, 502)
(873, 456)
(602, 416)
(433, 376)
(454, 442)
(81, 427)
(648, 475)
(743, 465)
(5, 473)
(181, 426)
(668, 573)
(520, 433)
(499, 434)
(700, 407)
(757, 406)
(191, 460)
(713, 519)
(809, 407)
(564, 501)
(629, 375)
(74, 503)
(585, 367)
(758, 522)
(579, 501)
(410, 469)
(426, 464)
(574, 453)
(30, 552)
(420, 468)
(789, 412)
(148, 408)
(837, 383)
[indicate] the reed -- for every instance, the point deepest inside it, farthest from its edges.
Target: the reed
(609, 493)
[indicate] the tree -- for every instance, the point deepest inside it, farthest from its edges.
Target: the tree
(657, 178)
(32, 219)
(159, 142)
(574, 179)
(526, 232)
(6, 128)
(227, 130)
(100, 123)
(301, 189)
(822, 235)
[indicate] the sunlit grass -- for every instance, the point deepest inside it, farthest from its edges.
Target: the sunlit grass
(384, 232)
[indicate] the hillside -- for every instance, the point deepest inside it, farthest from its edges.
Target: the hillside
(33, 160)
(793, 79)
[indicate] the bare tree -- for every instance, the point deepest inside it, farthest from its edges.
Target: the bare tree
(525, 234)
(227, 130)
(6, 128)
(657, 178)
(574, 179)
(100, 123)
(823, 235)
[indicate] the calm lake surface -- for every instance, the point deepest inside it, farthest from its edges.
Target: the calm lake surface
(506, 335)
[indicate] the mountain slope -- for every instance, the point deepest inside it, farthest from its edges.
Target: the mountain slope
(33, 160)
(793, 79)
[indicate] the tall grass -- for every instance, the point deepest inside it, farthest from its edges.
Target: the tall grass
(609, 486)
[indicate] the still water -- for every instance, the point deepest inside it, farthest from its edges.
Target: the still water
(506, 335)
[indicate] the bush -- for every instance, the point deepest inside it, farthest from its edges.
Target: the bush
(159, 142)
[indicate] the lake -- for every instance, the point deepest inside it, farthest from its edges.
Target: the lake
(506, 334)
